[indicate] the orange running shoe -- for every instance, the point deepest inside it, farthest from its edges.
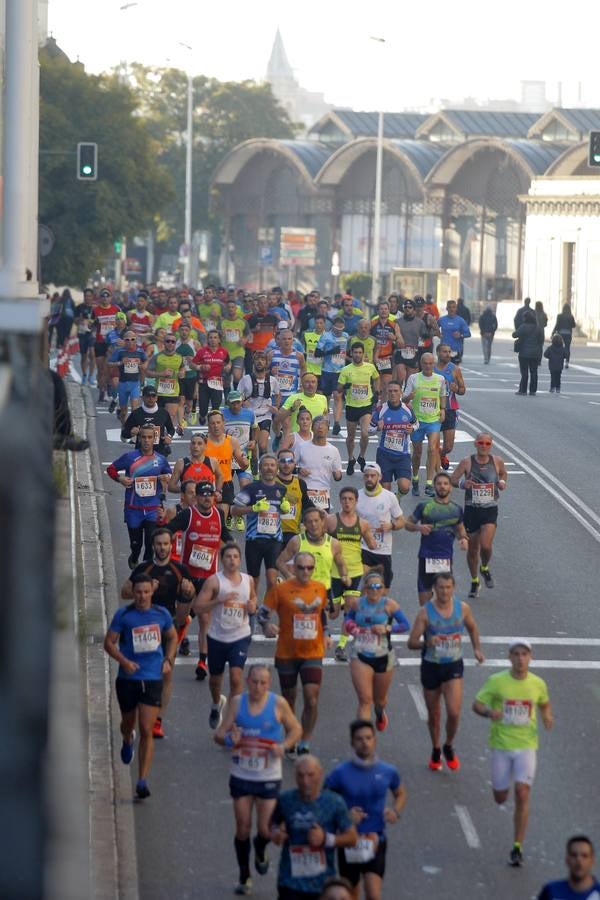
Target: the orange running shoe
(435, 761)
(157, 730)
(452, 760)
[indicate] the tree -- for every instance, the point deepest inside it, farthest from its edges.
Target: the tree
(133, 187)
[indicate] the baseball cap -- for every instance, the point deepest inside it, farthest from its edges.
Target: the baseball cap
(105, 293)
(147, 390)
(234, 397)
(121, 317)
(143, 293)
(372, 467)
(205, 488)
(520, 642)
(283, 326)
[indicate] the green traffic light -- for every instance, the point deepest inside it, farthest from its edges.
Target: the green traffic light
(86, 170)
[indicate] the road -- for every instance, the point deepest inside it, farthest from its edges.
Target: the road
(452, 841)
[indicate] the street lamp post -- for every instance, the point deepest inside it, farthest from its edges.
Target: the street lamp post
(187, 236)
(376, 258)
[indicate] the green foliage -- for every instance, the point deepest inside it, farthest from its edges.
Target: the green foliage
(358, 282)
(132, 186)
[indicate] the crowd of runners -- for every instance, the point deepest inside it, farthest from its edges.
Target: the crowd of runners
(246, 533)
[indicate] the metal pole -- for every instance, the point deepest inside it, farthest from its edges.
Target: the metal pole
(187, 238)
(150, 256)
(377, 222)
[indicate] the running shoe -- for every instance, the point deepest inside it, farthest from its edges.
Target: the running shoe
(194, 418)
(337, 427)
(474, 592)
(216, 713)
(515, 858)
(444, 462)
(429, 490)
(132, 561)
(183, 423)
(92, 381)
(362, 463)
(487, 576)
(415, 487)
(302, 748)
(201, 670)
(435, 760)
(244, 888)
(340, 654)
(239, 523)
(112, 406)
(83, 380)
(142, 790)
(452, 760)
(128, 750)
(290, 754)
(229, 522)
(184, 647)
(381, 720)
(157, 730)
(350, 466)
(276, 442)
(261, 863)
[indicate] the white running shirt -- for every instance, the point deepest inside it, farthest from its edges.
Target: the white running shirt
(382, 508)
(229, 619)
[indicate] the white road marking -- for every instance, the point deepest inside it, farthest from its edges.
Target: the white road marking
(417, 696)
(587, 369)
(469, 830)
(543, 476)
(492, 639)
(406, 663)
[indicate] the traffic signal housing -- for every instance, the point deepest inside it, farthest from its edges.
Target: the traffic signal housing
(87, 161)
(594, 149)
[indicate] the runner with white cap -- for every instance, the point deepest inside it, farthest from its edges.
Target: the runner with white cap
(383, 513)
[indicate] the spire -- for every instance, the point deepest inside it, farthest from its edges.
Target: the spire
(279, 66)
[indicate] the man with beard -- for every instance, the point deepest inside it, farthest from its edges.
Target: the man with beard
(261, 394)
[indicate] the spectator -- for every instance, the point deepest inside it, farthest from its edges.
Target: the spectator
(463, 310)
(529, 344)
(565, 323)
(488, 325)
(521, 312)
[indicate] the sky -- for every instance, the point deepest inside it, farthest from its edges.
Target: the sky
(432, 49)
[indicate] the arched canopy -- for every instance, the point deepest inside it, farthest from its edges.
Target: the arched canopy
(532, 157)
(307, 157)
(573, 162)
(417, 156)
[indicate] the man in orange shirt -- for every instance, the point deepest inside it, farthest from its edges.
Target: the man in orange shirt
(187, 318)
(301, 640)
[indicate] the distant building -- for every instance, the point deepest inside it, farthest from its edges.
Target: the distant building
(301, 105)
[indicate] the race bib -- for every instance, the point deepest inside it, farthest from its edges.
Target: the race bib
(367, 640)
(482, 493)
(289, 516)
(408, 352)
(215, 383)
(433, 566)
(286, 381)
(305, 627)
(131, 366)
(166, 385)
(268, 522)
(233, 614)
(427, 405)
(202, 557)
(339, 359)
(145, 487)
(306, 862)
(359, 392)
(319, 498)
(395, 440)
(179, 544)
(516, 712)
(448, 645)
(385, 364)
(107, 323)
(311, 358)
(251, 759)
(157, 434)
(209, 325)
(379, 537)
(363, 851)
(232, 336)
(145, 638)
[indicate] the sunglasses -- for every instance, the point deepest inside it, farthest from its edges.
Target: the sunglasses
(484, 443)
(169, 341)
(304, 568)
(374, 586)
(129, 340)
(286, 459)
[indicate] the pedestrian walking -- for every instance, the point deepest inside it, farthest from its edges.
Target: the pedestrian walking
(565, 323)
(488, 325)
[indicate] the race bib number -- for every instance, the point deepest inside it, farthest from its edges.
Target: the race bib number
(363, 851)
(311, 358)
(482, 493)
(251, 759)
(432, 566)
(305, 627)
(131, 366)
(166, 386)
(289, 516)
(516, 712)
(209, 325)
(395, 440)
(319, 498)
(215, 383)
(306, 862)
(385, 364)
(107, 323)
(232, 336)
(157, 434)
(179, 544)
(201, 557)
(367, 640)
(379, 536)
(145, 487)
(427, 405)
(408, 352)
(268, 522)
(339, 359)
(359, 392)
(448, 645)
(286, 381)
(146, 638)
(233, 614)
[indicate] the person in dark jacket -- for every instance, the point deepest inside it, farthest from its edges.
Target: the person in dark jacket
(519, 316)
(488, 325)
(565, 323)
(555, 354)
(463, 310)
(529, 345)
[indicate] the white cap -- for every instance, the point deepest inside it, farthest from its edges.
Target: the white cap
(284, 326)
(520, 642)
(372, 467)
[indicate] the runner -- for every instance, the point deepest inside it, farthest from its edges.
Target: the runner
(296, 439)
(260, 393)
(150, 413)
(371, 619)
(300, 604)
(259, 727)
(168, 316)
(316, 404)
(364, 337)
(437, 633)
(510, 699)
(332, 348)
(234, 334)
(229, 597)
(172, 589)
(262, 325)
(135, 640)
(196, 467)
(140, 320)
(212, 362)
(187, 346)
(413, 332)
(360, 381)
(426, 393)
(453, 331)
(382, 511)
(396, 422)
(187, 498)
(387, 336)
(84, 320)
(241, 425)
(263, 502)
(105, 317)
(224, 449)
(296, 495)
(314, 364)
(132, 365)
(318, 460)
(364, 781)
(145, 479)
(308, 823)
(439, 521)
(455, 384)
(286, 364)
(326, 550)
(167, 366)
(581, 883)
(482, 475)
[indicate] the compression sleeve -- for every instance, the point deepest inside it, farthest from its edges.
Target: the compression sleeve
(400, 623)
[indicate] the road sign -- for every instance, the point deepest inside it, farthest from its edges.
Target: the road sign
(45, 240)
(297, 246)
(266, 256)
(266, 234)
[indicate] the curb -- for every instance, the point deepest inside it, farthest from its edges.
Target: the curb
(113, 855)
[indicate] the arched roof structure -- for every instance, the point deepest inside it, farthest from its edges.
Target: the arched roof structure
(531, 156)
(418, 156)
(570, 162)
(307, 157)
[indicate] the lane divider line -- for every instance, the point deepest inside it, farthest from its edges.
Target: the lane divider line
(469, 830)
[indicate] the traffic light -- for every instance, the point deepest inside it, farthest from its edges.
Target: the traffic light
(594, 149)
(87, 161)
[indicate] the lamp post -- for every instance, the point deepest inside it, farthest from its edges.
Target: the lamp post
(376, 258)
(187, 235)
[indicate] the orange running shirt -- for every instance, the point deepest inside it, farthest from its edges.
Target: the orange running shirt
(299, 607)
(223, 453)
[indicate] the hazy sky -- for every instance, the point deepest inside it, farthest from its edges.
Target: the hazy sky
(433, 49)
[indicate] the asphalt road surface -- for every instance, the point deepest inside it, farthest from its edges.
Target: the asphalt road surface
(452, 841)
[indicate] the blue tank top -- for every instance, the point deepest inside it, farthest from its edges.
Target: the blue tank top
(448, 373)
(252, 759)
(287, 371)
(450, 630)
(366, 643)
